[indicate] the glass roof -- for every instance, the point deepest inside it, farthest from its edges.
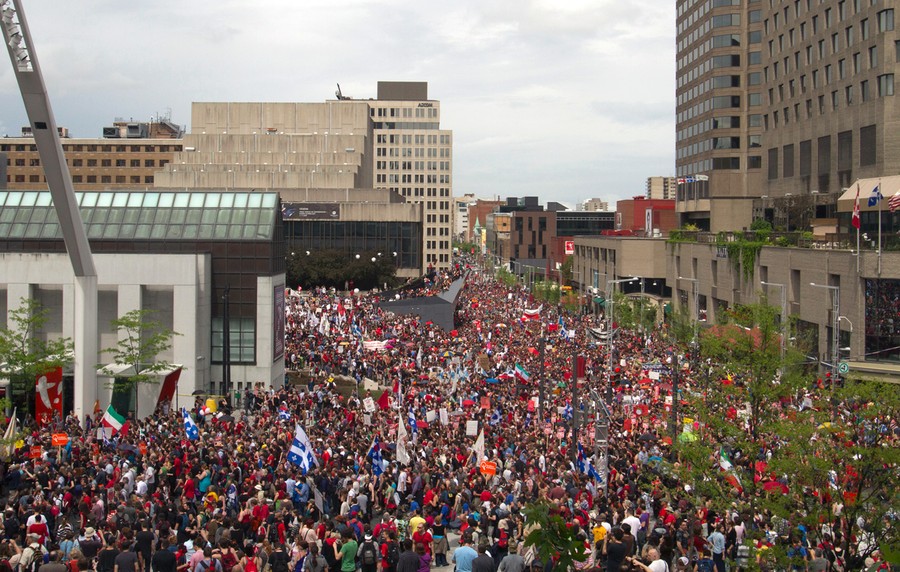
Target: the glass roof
(145, 215)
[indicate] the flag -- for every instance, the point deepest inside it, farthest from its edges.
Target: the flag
(383, 401)
(585, 466)
(567, 412)
(375, 456)
(894, 202)
(402, 436)
(112, 421)
(413, 426)
(521, 373)
(730, 475)
(876, 196)
(284, 414)
(7, 447)
(301, 451)
(478, 447)
(495, 417)
(534, 314)
(167, 393)
(855, 219)
(190, 428)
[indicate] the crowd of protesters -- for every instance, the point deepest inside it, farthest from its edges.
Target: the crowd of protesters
(152, 498)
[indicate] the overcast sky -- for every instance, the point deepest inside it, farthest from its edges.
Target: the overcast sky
(566, 100)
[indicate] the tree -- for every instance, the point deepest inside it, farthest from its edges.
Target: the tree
(334, 268)
(566, 270)
(141, 342)
(27, 355)
(549, 535)
(778, 442)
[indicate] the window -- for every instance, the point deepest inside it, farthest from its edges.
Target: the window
(92, 162)
(726, 40)
(726, 101)
(873, 56)
(724, 20)
(842, 68)
(726, 81)
(864, 26)
(867, 145)
(886, 20)
(76, 178)
(848, 94)
(754, 37)
(754, 162)
(806, 158)
(773, 163)
(731, 60)
(77, 162)
(755, 16)
(135, 162)
(754, 78)
(754, 140)
(243, 340)
(726, 142)
(755, 120)
(149, 163)
(845, 151)
(106, 179)
(755, 58)
(885, 85)
(754, 99)
(864, 92)
(726, 163)
(120, 162)
(849, 34)
(788, 158)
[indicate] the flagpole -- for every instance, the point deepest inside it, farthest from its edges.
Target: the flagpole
(879, 229)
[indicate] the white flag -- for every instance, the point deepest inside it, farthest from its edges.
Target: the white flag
(479, 447)
(402, 435)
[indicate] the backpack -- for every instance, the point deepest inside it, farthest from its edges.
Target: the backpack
(368, 555)
(393, 554)
(32, 563)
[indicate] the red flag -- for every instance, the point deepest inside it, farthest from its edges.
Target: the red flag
(383, 400)
(552, 327)
(454, 333)
(855, 220)
(167, 392)
(48, 398)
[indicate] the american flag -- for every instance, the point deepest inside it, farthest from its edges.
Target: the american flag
(894, 202)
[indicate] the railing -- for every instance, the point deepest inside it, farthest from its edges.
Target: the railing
(830, 241)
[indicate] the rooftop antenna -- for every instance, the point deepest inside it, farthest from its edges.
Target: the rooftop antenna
(340, 95)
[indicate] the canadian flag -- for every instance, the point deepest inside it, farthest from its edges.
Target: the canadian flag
(855, 220)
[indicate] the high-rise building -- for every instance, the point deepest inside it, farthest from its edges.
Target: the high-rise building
(661, 188)
(414, 157)
(595, 204)
(781, 100)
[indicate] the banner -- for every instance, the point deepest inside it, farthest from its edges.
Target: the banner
(48, 398)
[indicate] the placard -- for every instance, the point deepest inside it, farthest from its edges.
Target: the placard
(471, 428)
(430, 416)
(445, 417)
(369, 405)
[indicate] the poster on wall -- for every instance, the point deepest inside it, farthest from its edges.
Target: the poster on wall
(48, 398)
(278, 324)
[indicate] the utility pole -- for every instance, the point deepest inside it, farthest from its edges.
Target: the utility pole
(575, 405)
(541, 380)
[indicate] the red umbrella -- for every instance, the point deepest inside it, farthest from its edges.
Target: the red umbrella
(468, 403)
(421, 424)
(775, 486)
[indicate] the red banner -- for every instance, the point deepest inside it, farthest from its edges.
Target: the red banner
(48, 396)
(167, 392)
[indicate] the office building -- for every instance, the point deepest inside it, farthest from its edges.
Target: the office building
(414, 157)
(595, 204)
(127, 156)
(661, 188)
(777, 100)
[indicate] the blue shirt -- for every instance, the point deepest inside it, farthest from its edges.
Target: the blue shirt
(717, 540)
(463, 557)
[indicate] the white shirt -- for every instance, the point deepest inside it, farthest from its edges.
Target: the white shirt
(659, 565)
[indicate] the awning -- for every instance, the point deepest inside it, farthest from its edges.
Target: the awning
(119, 369)
(889, 187)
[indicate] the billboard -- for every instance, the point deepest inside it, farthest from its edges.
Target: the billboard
(308, 211)
(570, 247)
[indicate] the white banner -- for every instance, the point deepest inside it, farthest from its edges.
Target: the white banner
(471, 428)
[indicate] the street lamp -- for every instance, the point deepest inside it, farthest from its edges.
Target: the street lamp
(784, 331)
(609, 333)
(835, 327)
(696, 295)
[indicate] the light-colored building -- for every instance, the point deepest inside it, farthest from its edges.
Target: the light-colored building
(701, 277)
(414, 157)
(781, 100)
(595, 204)
(661, 188)
(461, 217)
(175, 253)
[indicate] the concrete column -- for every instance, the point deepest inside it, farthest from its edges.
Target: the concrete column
(15, 291)
(85, 340)
(184, 347)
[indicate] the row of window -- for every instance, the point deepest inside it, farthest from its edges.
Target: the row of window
(427, 192)
(444, 152)
(89, 179)
(407, 112)
(866, 153)
(131, 163)
(410, 139)
(885, 85)
(71, 148)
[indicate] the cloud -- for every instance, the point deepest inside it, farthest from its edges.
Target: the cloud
(557, 99)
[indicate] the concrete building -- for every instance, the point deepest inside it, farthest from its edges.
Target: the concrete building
(127, 157)
(781, 100)
(661, 188)
(414, 157)
(480, 211)
(701, 277)
(171, 252)
(595, 204)
(461, 228)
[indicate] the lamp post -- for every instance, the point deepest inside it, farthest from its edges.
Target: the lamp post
(610, 334)
(696, 296)
(676, 366)
(784, 331)
(835, 327)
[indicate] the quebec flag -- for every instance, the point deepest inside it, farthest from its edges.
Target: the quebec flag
(301, 451)
(190, 428)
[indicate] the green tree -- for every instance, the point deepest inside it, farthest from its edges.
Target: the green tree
(764, 417)
(27, 354)
(141, 341)
(549, 535)
(332, 268)
(566, 270)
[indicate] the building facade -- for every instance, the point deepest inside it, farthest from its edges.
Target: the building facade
(647, 217)
(127, 156)
(414, 157)
(778, 100)
(661, 188)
